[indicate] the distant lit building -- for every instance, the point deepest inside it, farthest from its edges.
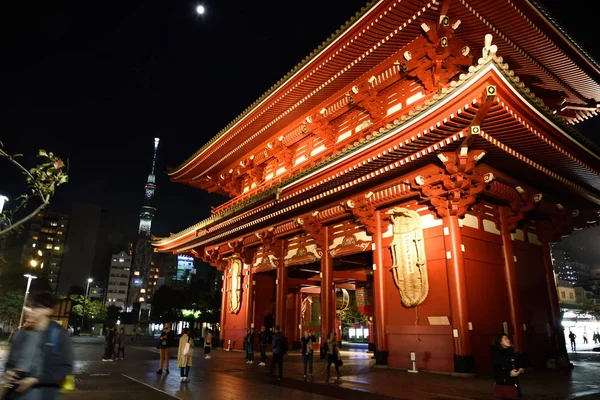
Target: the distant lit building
(45, 245)
(97, 291)
(120, 270)
(185, 268)
(572, 264)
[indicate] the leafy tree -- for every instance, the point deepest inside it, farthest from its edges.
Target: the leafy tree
(42, 181)
(167, 304)
(11, 307)
(94, 309)
(352, 315)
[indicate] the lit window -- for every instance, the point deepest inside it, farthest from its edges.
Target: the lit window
(34, 237)
(137, 273)
(33, 245)
(49, 246)
(121, 260)
(56, 248)
(142, 299)
(142, 290)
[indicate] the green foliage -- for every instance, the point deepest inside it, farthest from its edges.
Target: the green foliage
(194, 303)
(94, 310)
(11, 307)
(352, 315)
(42, 181)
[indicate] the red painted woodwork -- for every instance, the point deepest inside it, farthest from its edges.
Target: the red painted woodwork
(235, 326)
(327, 290)
(249, 297)
(281, 298)
(224, 300)
(379, 288)
(512, 285)
(457, 285)
(264, 298)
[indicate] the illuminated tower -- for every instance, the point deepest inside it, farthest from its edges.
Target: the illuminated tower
(140, 287)
(147, 212)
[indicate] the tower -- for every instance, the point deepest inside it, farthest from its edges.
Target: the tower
(147, 212)
(140, 290)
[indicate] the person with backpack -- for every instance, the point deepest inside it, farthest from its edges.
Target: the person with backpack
(207, 344)
(333, 354)
(279, 347)
(307, 352)
(263, 341)
(167, 337)
(249, 345)
(41, 355)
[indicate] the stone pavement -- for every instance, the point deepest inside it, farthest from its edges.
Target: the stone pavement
(226, 376)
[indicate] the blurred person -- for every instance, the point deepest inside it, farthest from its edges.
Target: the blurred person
(279, 348)
(333, 354)
(109, 344)
(505, 369)
(207, 344)
(263, 341)
(40, 356)
(572, 338)
(249, 345)
(185, 354)
(166, 339)
(307, 352)
(120, 344)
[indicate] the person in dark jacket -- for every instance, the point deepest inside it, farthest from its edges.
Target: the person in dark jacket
(109, 344)
(120, 344)
(307, 352)
(166, 340)
(41, 355)
(263, 341)
(249, 346)
(278, 348)
(505, 369)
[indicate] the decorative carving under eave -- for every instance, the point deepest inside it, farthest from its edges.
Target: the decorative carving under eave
(234, 284)
(365, 212)
(516, 210)
(452, 191)
(211, 257)
(257, 173)
(271, 246)
(310, 224)
(303, 254)
(350, 245)
(436, 57)
(320, 126)
(408, 256)
(284, 154)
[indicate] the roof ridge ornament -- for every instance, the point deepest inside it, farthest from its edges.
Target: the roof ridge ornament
(489, 50)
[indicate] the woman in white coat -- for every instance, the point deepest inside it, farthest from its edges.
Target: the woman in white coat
(185, 354)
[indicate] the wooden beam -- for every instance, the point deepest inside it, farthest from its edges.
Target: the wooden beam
(357, 276)
(299, 282)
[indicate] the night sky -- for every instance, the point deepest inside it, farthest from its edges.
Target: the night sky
(96, 81)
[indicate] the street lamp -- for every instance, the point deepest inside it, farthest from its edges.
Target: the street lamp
(29, 279)
(90, 280)
(200, 9)
(4, 199)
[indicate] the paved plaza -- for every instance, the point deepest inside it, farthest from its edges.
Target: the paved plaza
(226, 376)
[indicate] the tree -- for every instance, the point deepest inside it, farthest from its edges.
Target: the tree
(167, 304)
(42, 181)
(11, 307)
(94, 310)
(352, 315)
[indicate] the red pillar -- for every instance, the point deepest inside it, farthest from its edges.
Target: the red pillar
(457, 285)
(327, 295)
(557, 330)
(224, 307)
(249, 297)
(282, 289)
(381, 353)
(512, 287)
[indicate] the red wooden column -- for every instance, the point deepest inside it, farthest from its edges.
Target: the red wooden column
(557, 331)
(224, 307)
(512, 286)
(463, 356)
(381, 351)
(281, 293)
(327, 295)
(249, 297)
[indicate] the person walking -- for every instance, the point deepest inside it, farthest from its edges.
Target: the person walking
(249, 344)
(263, 341)
(120, 345)
(572, 337)
(109, 344)
(207, 344)
(333, 355)
(185, 355)
(279, 348)
(307, 352)
(505, 369)
(167, 337)
(585, 339)
(40, 355)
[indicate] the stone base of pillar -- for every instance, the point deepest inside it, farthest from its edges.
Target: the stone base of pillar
(381, 357)
(464, 364)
